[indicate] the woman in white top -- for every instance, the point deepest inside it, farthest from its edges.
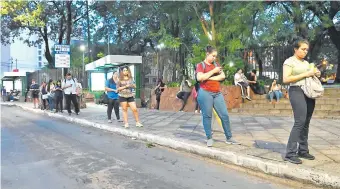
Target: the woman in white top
(240, 79)
(295, 70)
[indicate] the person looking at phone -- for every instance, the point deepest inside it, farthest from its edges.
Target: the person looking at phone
(69, 85)
(209, 75)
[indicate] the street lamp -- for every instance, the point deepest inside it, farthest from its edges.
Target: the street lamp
(82, 48)
(159, 47)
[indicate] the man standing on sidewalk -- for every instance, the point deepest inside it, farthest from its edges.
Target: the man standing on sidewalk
(69, 85)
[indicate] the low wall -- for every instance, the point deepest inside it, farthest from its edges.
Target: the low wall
(232, 96)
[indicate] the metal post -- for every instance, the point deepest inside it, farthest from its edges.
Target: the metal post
(108, 44)
(83, 66)
(158, 67)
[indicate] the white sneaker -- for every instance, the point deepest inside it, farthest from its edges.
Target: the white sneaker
(109, 121)
(139, 124)
(126, 125)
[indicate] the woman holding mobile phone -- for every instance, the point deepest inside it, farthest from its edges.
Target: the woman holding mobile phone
(210, 96)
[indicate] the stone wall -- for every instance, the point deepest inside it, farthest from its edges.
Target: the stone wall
(232, 96)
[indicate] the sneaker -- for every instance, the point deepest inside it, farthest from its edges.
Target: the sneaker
(77, 113)
(306, 156)
(232, 141)
(109, 121)
(119, 120)
(293, 159)
(126, 125)
(248, 98)
(139, 124)
(210, 142)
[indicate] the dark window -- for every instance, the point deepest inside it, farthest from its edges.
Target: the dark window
(146, 80)
(40, 58)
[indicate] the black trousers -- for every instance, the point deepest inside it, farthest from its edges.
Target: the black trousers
(59, 103)
(73, 98)
(184, 97)
(43, 103)
(158, 99)
(113, 104)
(303, 108)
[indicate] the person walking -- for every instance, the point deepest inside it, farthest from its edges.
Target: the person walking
(295, 70)
(158, 91)
(69, 86)
(125, 86)
(112, 94)
(209, 95)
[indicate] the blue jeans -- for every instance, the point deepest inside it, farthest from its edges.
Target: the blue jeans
(50, 103)
(209, 100)
(278, 95)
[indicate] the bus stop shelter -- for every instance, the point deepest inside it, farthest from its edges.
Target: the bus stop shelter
(103, 68)
(15, 80)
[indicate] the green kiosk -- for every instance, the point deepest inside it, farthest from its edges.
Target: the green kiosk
(103, 68)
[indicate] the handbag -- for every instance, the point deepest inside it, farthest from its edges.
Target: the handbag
(313, 87)
(44, 96)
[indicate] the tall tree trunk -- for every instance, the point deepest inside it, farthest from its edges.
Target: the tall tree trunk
(48, 55)
(61, 30)
(69, 22)
(335, 35)
(68, 27)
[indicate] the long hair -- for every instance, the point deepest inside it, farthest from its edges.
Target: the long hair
(160, 81)
(59, 85)
(112, 80)
(49, 85)
(121, 74)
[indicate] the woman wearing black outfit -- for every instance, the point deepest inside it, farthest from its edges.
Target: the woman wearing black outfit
(158, 91)
(58, 97)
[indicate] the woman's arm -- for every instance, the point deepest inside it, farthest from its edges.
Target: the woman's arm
(219, 77)
(289, 78)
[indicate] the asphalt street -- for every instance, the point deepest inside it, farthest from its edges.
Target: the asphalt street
(39, 152)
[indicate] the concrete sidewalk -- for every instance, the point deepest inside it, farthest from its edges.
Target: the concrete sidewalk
(263, 140)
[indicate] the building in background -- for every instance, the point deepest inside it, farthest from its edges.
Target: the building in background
(18, 55)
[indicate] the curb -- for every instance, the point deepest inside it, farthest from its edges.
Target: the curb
(295, 172)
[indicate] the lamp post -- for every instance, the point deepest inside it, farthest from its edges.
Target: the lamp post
(159, 47)
(82, 48)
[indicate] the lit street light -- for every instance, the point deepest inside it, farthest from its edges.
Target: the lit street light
(82, 48)
(159, 47)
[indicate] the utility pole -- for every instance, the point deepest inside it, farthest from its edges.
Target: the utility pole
(108, 43)
(11, 64)
(88, 32)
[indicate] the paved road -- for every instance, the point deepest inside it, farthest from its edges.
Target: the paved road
(39, 152)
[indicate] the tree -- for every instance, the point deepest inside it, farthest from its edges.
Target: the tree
(52, 20)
